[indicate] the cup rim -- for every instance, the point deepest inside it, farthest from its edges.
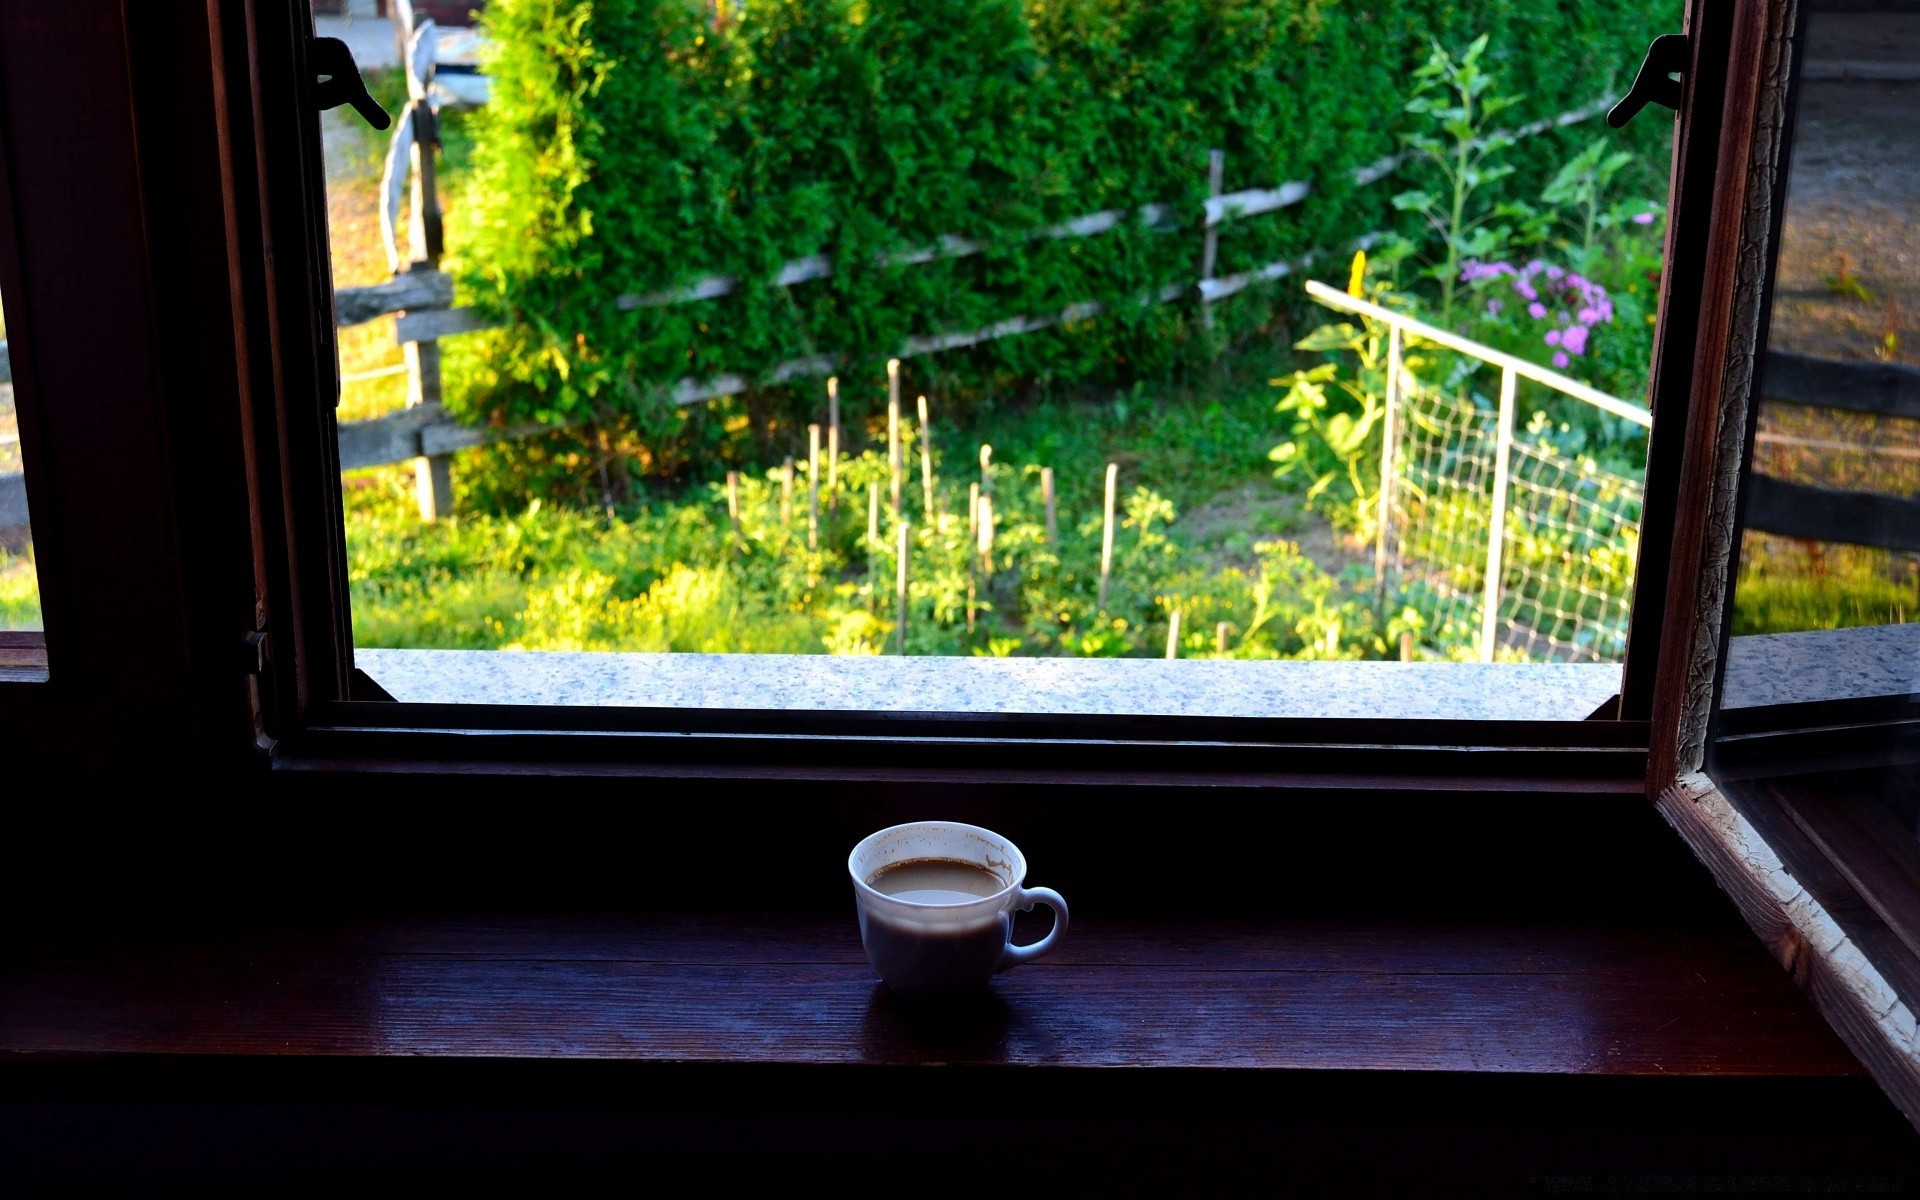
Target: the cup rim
(864, 888)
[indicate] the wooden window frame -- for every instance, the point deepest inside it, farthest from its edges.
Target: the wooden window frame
(247, 654)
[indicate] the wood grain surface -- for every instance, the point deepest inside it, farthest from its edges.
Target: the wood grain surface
(1370, 996)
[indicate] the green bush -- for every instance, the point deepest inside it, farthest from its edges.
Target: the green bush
(629, 147)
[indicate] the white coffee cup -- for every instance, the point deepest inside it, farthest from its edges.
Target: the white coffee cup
(921, 948)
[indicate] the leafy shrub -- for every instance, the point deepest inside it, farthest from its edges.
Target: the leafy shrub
(631, 147)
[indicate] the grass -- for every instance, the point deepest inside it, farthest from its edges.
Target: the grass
(1787, 586)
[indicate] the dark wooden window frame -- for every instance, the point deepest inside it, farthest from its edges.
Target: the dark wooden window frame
(218, 389)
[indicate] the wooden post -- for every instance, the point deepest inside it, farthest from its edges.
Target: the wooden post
(1210, 240)
(926, 464)
(1106, 535)
(1389, 448)
(1046, 501)
(833, 442)
(1173, 635)
(893, 432)
(432, 475)
(1497, 527)
(1406, 646)
(1220, 632)
(733, 507)
(813, 487)
(986, 469)
(973, 509)
(900, 582)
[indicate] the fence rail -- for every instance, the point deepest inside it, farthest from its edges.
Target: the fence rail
(421, 296)
(1799, 510)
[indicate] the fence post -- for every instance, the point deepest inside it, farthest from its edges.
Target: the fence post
(1497, 526)
(1210, 240)
(1389, 452)
(432, 474)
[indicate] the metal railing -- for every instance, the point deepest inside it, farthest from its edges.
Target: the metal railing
(1580, 519)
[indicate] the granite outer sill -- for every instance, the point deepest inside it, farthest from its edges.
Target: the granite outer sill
(1118, 687)
(1827, 664)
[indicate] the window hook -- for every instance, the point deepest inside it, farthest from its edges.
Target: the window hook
(1669, 55)
(340, 81)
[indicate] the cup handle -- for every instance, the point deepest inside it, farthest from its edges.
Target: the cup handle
(1014, 955)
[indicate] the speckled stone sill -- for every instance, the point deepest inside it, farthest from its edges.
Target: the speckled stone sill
(1120, 687)
(1828, 664)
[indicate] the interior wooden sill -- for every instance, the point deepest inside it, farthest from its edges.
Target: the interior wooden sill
(1362, 996)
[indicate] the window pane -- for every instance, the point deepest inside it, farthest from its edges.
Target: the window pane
(1833, 519)
(1058, 330)
(19, 578)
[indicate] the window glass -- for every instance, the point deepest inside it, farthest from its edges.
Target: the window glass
(19, 576)
(978, 329)
(1828, 594)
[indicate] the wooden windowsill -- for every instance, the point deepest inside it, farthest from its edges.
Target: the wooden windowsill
(1363, 996)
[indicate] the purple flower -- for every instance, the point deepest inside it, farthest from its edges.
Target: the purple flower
(1525, 289)
(1559, 359)
(1555, 273)
(1536, 310)
(1575, 340)
(1588, 315)
(1643, 218)
(1493, 308)
(1553, 337)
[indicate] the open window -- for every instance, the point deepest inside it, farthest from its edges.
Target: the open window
(712, 437)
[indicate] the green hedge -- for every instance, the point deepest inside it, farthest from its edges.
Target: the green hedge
(630, 147)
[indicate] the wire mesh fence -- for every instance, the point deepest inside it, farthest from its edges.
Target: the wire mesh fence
(1571, 533)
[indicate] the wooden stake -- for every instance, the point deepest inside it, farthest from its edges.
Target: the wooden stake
(733, 505)
(900, 583)
(1173, 635)
(1406, 647)
(1046, 499)
(985, 538)
(813, 487)
(833, 468)
(973, 509)
(893, 432)
(873, 543)
(833, 442)
(1220, 637)
(986, 469)
(1106, 535)
(926, 464)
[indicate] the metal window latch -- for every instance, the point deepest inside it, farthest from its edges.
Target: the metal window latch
(1667, 57)
(340, 81)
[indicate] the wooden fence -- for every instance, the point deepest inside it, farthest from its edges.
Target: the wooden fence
(1820, 514)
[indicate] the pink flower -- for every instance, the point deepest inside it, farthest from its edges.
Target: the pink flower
(1559, 359)
(1536, 310)
(1643, 218)
(1575, 340)
(1553, 337)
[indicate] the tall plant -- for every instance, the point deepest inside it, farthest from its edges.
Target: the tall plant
(1459, 102)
